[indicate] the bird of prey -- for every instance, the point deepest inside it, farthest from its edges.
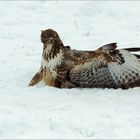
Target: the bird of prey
(106, 67)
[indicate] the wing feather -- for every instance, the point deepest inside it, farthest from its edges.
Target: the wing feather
(126, 75)
(119, 69)
(92, 74)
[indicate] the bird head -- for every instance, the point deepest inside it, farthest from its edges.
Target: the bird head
(49, 36)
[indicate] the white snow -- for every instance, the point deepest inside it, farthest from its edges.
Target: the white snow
(47, 112)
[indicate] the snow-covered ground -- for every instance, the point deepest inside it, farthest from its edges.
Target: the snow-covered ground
(47, 112)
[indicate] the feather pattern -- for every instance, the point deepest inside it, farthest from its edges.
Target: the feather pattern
(120, 69)
(106, 67)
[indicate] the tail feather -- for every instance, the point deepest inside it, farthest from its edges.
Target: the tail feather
(138, 56)
(132, 49)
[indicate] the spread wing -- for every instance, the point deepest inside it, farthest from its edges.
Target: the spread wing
(107, 67)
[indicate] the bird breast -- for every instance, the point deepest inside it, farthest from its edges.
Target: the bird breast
(53, 62)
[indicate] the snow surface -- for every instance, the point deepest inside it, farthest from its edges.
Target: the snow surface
(47, 112)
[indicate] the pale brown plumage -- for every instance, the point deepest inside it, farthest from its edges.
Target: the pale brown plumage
(106, 67)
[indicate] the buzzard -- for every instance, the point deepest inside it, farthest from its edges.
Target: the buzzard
(106, 67)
